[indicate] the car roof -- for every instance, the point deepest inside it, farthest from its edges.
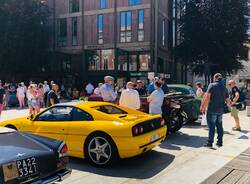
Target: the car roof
(5, 130)
(179, 86)
(82, 104)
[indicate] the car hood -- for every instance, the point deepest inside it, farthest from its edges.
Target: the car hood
(15, 145)
(134, 119)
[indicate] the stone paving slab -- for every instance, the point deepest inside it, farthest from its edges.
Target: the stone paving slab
(236, 171)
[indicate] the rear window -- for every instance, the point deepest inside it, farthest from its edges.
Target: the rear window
(109, 109)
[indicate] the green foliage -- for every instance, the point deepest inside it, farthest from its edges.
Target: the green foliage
(23, 35)
(213, 32)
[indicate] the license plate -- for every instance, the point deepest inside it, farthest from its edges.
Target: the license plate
(154, 137)
(10, 171)
(27, 167)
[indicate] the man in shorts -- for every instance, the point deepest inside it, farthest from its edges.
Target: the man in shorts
(235, 105)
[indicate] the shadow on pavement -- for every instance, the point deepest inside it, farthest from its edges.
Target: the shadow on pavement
(178, 139)
(140, 167)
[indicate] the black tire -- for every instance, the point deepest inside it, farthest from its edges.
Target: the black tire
(110, 150)
(11, 127)
(177, 125)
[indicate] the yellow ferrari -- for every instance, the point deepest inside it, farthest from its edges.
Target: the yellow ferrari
(98, 131)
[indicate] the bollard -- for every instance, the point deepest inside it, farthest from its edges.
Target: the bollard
(248, 111)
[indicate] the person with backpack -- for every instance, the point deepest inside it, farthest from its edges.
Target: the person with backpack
(236, 104)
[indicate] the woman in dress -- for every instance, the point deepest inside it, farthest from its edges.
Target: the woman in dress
(21, 95)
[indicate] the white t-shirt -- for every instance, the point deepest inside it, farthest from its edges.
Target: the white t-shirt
(157, 98)
(46, 88)
(130, 98)
(199, 92)
(20, 91)
(97, 91)
(89, 88)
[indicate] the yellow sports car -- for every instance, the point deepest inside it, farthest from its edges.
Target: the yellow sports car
(98, 131)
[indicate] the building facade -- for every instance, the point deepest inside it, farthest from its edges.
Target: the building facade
(125, 38)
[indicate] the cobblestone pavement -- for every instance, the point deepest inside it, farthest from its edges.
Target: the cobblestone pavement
(179, 159)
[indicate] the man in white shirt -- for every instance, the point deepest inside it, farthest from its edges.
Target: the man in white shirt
(46, 87)
(130, 98)
(97, 90)
(89, 88)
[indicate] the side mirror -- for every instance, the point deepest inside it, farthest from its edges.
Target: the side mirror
(31, 117)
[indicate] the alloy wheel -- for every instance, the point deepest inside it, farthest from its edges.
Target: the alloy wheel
(99, 150)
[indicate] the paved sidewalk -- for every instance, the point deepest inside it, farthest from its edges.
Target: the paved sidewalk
(236, 171)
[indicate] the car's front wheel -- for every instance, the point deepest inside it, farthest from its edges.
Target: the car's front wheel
(100, 150)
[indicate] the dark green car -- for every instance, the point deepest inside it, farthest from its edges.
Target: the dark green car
(192, 108)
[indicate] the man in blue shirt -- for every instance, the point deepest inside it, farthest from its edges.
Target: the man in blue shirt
(214, 101)
(151, 86)
(156, 99)
(107, 90)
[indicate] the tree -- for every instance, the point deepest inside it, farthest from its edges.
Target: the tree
(213, 35)
(23, 36)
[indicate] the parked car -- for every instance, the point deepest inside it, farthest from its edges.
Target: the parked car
(27, 158)
(98, 131)
(192, 108)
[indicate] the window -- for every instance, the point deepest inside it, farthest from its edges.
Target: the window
(56, 114)
(134, 2)
(74, 6)
(79, 115)
(74, 31)
(133, 63)
(66, 64)
(122, 62)
(62, 32)
(109, 109)
(144, 60)
(100, 29)
(103, 4)
(163, 32)
(141, 25)
(101, 60)
(125, 27)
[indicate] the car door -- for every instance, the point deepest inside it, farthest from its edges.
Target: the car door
(79, 129)
(51, 123)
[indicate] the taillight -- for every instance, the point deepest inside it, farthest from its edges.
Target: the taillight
(137, 130)
(162, 122)
(63, 150)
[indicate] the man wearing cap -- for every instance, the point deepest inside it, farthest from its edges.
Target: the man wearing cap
(139, 88)
(107, 90)
(214, 101)
(235, 97)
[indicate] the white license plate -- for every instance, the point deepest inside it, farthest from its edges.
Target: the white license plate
(154, 137)
(27, 167)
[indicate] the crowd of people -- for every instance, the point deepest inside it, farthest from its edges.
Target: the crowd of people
(35, 96)
(214, 98)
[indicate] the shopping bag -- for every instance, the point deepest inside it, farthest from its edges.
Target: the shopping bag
(204, 120)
